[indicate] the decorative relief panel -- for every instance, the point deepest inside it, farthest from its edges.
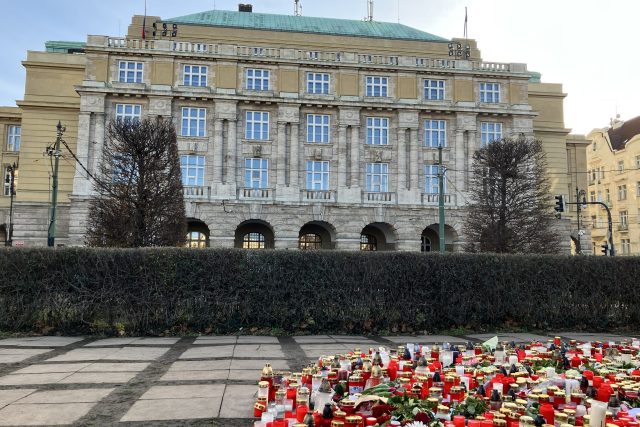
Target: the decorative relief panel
(289, 114)
(226, 110)
(349, 116)
(93, 103)
(408, 119)
(159, 106)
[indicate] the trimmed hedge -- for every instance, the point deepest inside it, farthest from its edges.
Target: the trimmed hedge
(159, 291)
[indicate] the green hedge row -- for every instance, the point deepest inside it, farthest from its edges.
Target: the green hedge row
(152, 291)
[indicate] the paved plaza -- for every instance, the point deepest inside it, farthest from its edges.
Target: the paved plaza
(207, 380)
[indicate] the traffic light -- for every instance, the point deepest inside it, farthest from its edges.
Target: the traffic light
(605, 249)
(559, 203)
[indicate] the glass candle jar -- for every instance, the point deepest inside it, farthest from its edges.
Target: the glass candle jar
(263, 389)
(353, 421)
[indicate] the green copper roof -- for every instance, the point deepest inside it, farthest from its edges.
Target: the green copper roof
(534, 77)
(305, 24)
(64, 47)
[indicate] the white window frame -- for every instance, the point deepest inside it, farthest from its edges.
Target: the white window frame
(377, 131)
(194, 75)
(256, 125)
(318, 83)
(431, 182)
(620, 166)
(377, 86)
(318, 126)
(193, 122)
(489, 132)
(638, 189)
(622, 192)
(256, 173)
(433, 89)
(435, 133)
(14, 133)
(257, 79)
(490, 92)
(133, 71)
(128, 112)
(377, 177)
(192, 168)
(625, 246)
(624, 218)
(317, 177)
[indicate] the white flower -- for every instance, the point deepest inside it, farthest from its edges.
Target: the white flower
(416, 424)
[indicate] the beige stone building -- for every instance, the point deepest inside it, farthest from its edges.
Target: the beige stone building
(614, 179)
(294, 132)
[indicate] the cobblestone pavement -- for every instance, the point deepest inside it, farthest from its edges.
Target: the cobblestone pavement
(208, 380)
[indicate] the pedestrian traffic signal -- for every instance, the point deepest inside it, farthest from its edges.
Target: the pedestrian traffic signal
(605, 249)
(559, 203)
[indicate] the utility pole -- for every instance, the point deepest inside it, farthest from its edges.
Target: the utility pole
(55, 152)
(12, 193)
(440, 200)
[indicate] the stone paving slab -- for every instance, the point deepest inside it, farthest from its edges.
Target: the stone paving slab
(183, 391)
(238, 401)
(43, 413)
(201, 365)
(257, 340)
(173, 409)
(424, 339)
(204, 352)
(132, 341)
(33, 379)
(84, 395)
(259, 350)
(195, 375)
(99, 378)
(15, 355)
(39, 341)
(258, 364)
(10, 396)
(115, 353)
(215, 340)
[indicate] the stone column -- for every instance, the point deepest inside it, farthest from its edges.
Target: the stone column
(414, 159)
(232, 156)
(356, 145)
(218, 153)
(280, 159)
(99, 135)
(472, 146)
(294, 163)
(402, 160)
(342, 156)
(81, 183)
(459, 164)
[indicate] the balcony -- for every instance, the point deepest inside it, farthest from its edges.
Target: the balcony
(431, 199)
(196, 192)
(255, 193)
(378, 197)
(317, 196)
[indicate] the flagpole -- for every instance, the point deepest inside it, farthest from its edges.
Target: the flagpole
(144, 21)
(465, 22)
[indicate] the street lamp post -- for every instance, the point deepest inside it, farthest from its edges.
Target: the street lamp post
(12, 192)
(578, 210)
(55, 152)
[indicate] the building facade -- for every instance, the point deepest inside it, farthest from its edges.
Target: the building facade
(614, 179)
(294, 132)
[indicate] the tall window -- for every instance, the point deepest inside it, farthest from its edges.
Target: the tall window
(257, 125)
(13, 138)
(592, 196)
(128, 112)
(196, 239)
(317, 175)
(377, 177)
(622, 192)
(310, 241)
(425, 244)
(368, 243)
(434, 90)
(318, 83)
(257, 79)
(490, 93)
(489, 132)
(638, 162)
(625, 246)
(256, 173)
(431, 185)
(377, 86)
(318, 128)
(621, 166)
(192, 168)
(607, 195)
(6, 190)
(130, 72)
(253, 241)
(377, 131)
(193, 121)
(195, 75)
(435, 133)
(624, 218)
(638, 189)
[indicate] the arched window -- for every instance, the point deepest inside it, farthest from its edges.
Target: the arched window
(368, 243)
(310, 241)
(426, 244)
(253, 241)
(197, 239)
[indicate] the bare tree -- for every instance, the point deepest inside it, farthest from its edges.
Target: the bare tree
(510, 208)
(139, 199)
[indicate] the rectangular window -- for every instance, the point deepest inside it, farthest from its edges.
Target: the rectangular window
(377, 86)
(637, 162)
(195, 75)
(128, 112)
(594, 222)
(318, 83)
(592, 196)
(435, 133)
(13, 138)
(624, 218)
(434, 90)
(256, 173)
(257, 125)
(377, 177)
(318, 128)
(490, 93)
(607, 195)
(431, 185)
(638, 189)
(599, 199)
(192, 168)
(6, 189)
(257, 79)
(193, 121)
(377, 131)
(489, 132)
(622, 192)
(130, 72)
(621, 166)
(317, 175)
(625, 245)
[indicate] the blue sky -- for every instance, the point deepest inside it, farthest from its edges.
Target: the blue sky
(587, 45)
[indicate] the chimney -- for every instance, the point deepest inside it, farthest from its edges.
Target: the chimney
(245, 7)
